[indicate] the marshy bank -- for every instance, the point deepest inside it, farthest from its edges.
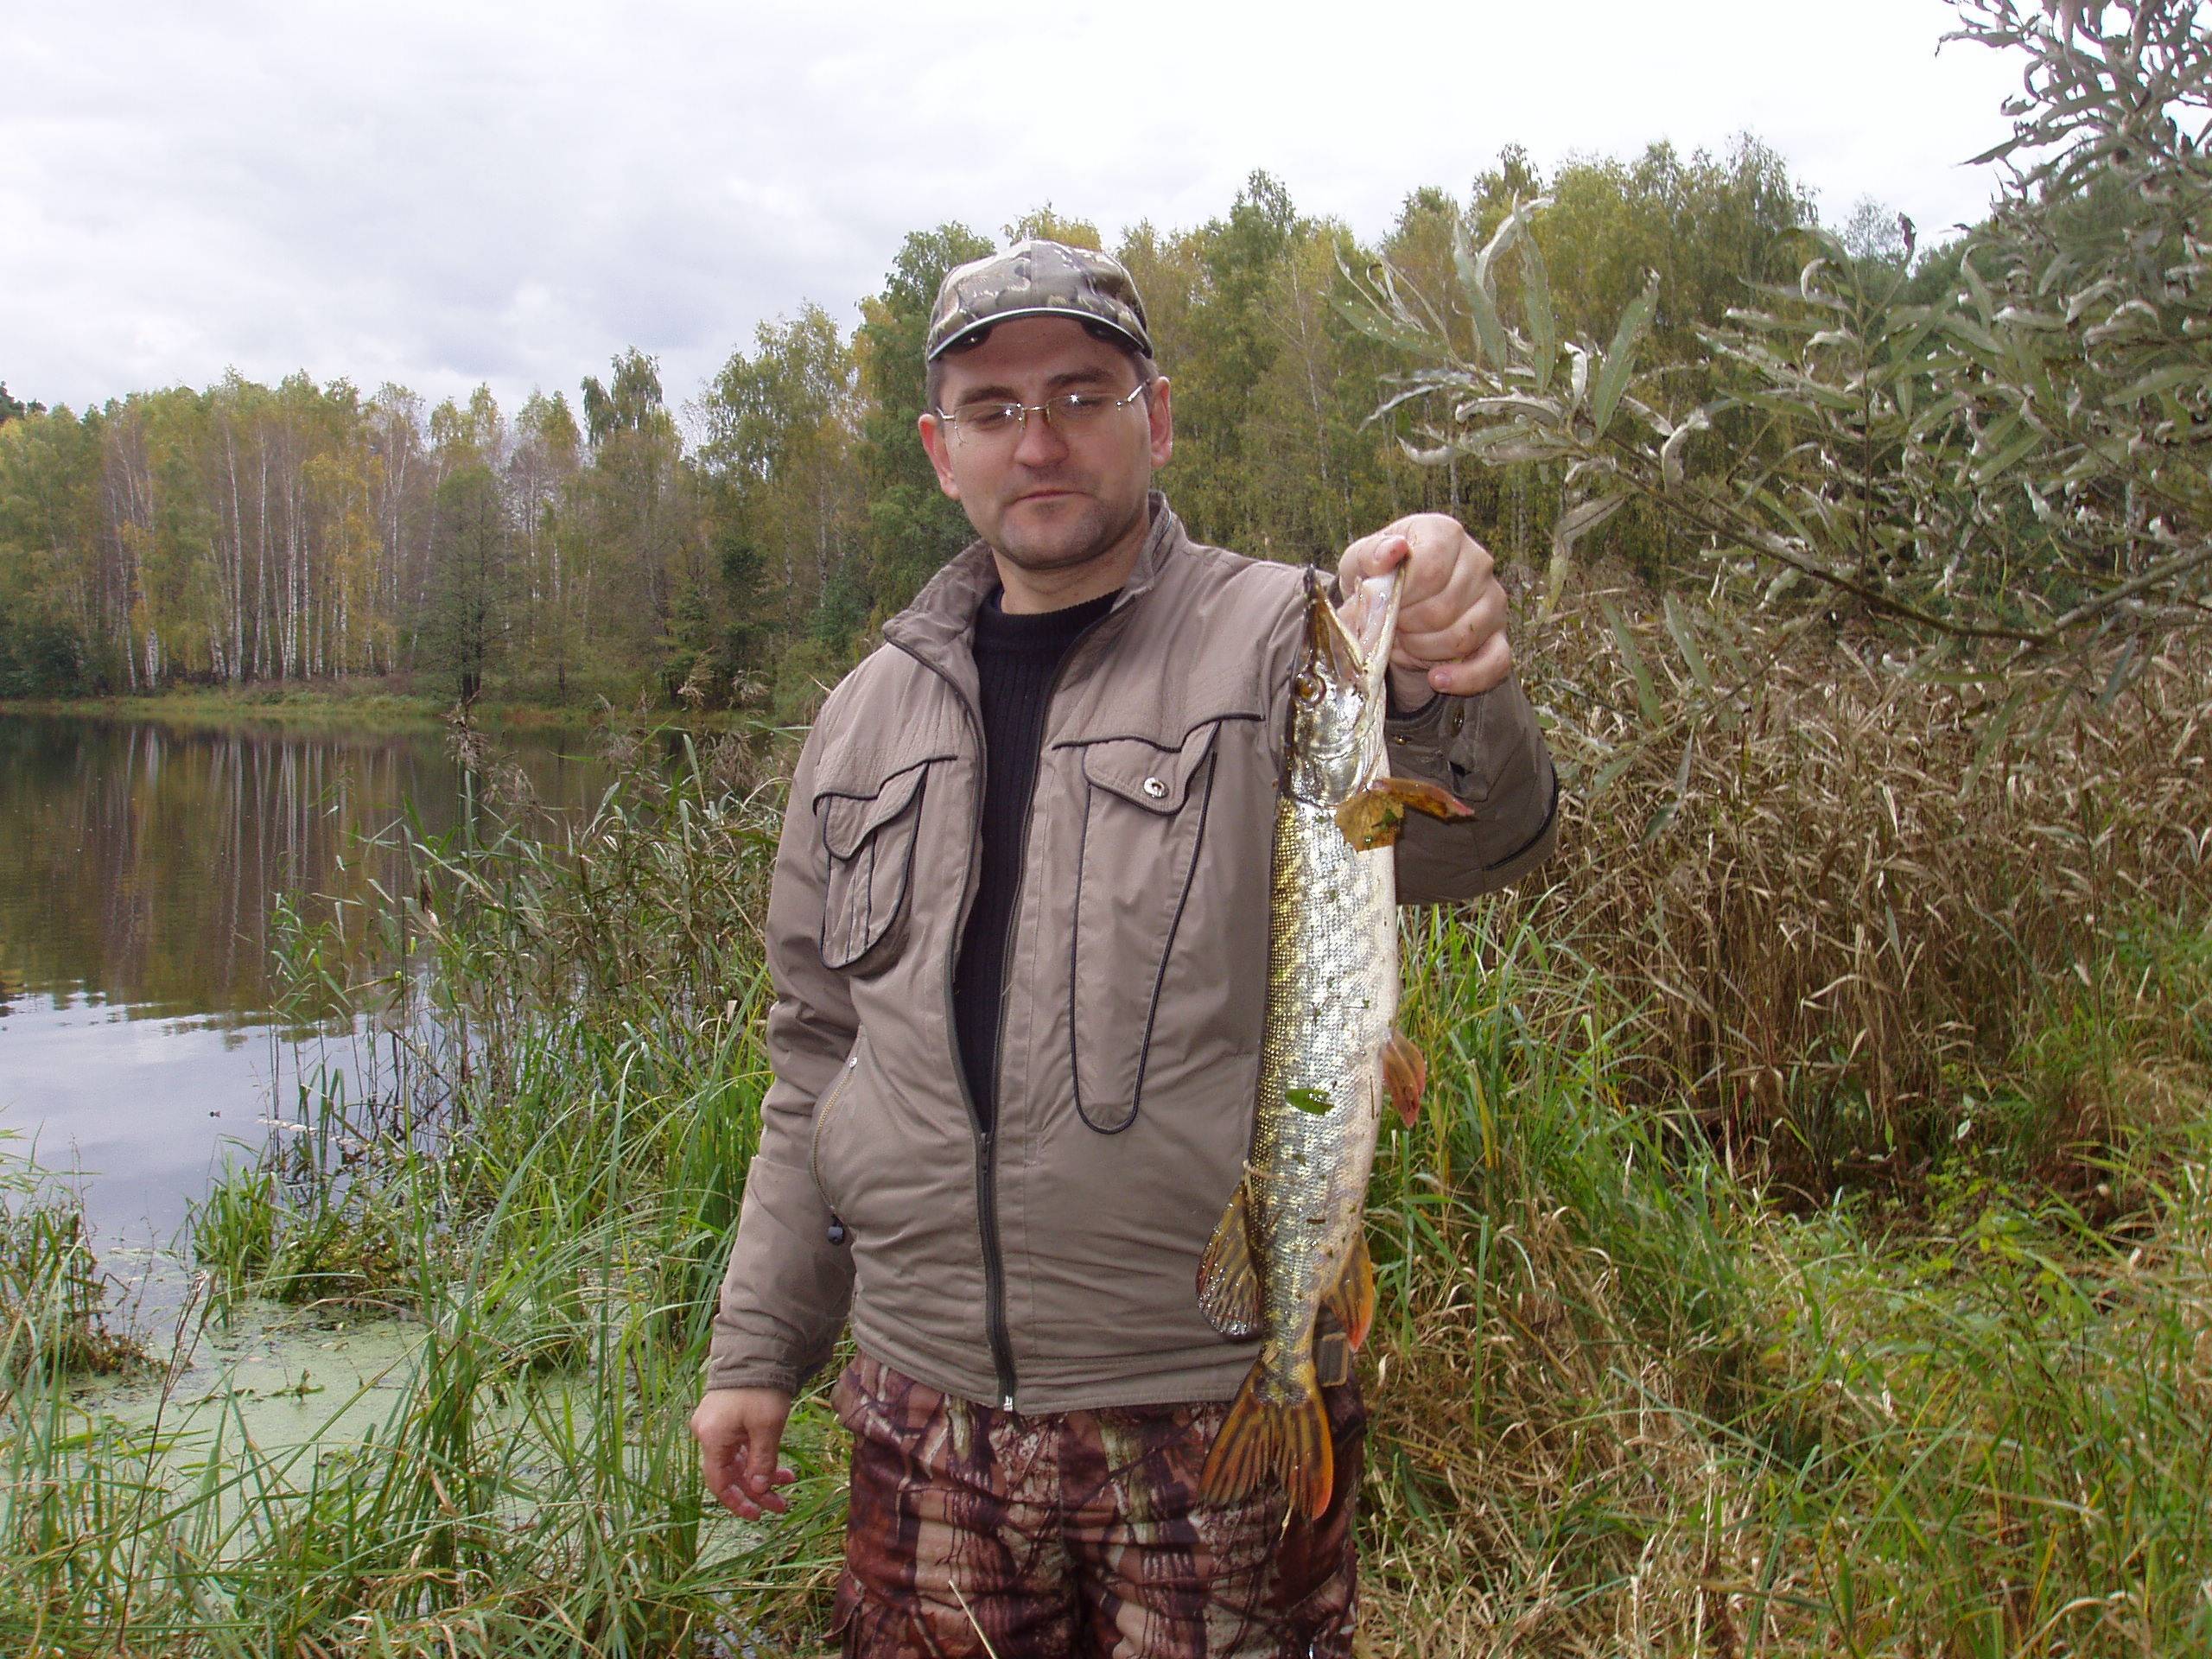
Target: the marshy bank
(370, 704)
(1807, 1249)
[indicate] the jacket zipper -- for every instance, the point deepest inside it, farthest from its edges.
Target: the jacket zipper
(986, 1198)
(986, 1209)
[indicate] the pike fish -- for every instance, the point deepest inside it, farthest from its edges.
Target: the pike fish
(1291, 1242)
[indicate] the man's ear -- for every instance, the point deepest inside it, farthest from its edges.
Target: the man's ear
(1161, 415)
(934, 441)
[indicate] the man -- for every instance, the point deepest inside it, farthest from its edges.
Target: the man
(1019, 937)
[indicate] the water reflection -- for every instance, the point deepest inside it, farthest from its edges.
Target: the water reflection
(140, 864)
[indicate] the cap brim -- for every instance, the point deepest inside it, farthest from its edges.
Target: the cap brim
(984, 324)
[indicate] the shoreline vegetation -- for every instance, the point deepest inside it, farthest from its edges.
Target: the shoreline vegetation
(1807, 1247)
(369, 705)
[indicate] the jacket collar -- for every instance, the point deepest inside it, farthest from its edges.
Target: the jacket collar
(938, 626)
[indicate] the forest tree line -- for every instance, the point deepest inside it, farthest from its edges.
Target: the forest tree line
(747, 539)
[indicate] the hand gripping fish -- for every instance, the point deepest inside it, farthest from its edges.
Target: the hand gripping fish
(1292, 1241)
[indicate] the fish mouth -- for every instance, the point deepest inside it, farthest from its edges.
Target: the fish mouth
(1348, 645)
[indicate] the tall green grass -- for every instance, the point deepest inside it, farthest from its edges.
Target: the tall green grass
(1628, 1402)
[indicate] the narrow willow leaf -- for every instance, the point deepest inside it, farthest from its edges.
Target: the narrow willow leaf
(2166, 379)
(1368, 317)
(1510, 230)
(1612, 375)
(1686, 641)
(1544, 409)
(1555, 571)
(1990, 469)
(1738, 664)
(1991, 739)
(1474, 281)
(1311, 1101)
(1608, 774)
(1647, 695)
(1670, 453)
(2118, 680)
(1488, 329)
(1508, 446)
(1536, 306)
(1977, 289)
(1975, 335)
(1827, 397)
(1435, 456)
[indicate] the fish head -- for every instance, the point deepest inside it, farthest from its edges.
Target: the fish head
(1338, 694)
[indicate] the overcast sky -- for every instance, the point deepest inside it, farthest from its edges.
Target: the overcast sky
(446, 194)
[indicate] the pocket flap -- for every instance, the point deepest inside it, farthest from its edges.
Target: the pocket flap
(849, 819)
(1143, 774)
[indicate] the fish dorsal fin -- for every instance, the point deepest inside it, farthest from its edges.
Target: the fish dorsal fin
(1352, 1298)
(1228, 1273)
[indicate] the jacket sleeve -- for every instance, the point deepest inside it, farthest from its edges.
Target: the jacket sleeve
(1488, 750)
(785, 1292)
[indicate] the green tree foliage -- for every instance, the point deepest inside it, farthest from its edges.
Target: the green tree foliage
(912, 527)
(646, 562)
(2019, 459)
(777, 459)
(284, 532)
(464, 623)
(1229, 341)
(1042, 223)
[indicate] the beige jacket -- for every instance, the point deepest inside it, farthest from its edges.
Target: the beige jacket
(1050, 1265)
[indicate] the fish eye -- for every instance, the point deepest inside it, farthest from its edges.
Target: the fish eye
(1306, 687)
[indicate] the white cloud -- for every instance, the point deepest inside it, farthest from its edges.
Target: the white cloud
(439, 194)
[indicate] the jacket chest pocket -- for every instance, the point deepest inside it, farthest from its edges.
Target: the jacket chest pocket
(1144, 825)
(868, 832)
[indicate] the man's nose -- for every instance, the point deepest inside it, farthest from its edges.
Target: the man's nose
(1041, 441)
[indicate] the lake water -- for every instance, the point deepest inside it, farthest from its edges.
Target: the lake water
(140, 862)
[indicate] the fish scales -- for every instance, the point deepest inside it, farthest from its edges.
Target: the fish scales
(1332, 994)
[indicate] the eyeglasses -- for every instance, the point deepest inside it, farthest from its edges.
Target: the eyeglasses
(1067, 414)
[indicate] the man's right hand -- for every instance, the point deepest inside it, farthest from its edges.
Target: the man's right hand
(737, 1431)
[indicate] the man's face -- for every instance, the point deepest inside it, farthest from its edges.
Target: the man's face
(1047, 499)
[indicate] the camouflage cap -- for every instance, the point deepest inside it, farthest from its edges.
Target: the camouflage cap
(1036, 278)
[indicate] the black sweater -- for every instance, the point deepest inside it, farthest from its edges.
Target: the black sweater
(1017, 659)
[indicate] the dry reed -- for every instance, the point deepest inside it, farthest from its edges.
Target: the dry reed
(1843, 887)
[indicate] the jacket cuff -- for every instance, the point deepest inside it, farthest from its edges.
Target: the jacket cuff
(1458, 742)
(752, 1374)
(1489, 751)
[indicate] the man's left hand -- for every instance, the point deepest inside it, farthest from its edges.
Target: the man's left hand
(1451, 616)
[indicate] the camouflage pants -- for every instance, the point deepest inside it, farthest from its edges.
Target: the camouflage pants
(976, 1532)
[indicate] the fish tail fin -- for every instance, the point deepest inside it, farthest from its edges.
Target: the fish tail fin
(1292, 1441)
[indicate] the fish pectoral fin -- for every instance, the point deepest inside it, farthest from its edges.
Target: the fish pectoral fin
(1352, 1298)
(1371, 818)
(1404, 1073)
(1293, 1441)
(1228, 1273)
(1375, 816)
